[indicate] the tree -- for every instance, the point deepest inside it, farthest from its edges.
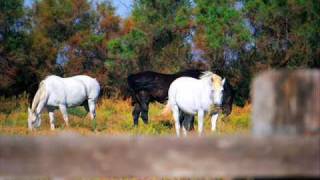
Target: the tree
(166, 25)
(222, 35)
(87, 49)
(287, 32)
(223, 26)
(14, 41)
(154, 38)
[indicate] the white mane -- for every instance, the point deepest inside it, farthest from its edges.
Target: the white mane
(206, 74)
(40, 95)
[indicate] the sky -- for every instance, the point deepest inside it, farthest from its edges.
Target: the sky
(123, 7)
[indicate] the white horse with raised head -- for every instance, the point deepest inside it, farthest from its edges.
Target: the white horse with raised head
(56, 92)
(195, 96)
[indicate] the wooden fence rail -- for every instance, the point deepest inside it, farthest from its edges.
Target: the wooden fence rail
(238, 156)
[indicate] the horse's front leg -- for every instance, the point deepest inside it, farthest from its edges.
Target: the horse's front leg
(63, 109)
(214, 119)
(51, 117)
(200, 121)
(175, 111)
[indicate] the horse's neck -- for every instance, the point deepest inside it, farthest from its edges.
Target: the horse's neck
(176, 76)
(179, 74)
(207, 91)
(40, 106)
(170, 78)
(39, 99)
(206, 83)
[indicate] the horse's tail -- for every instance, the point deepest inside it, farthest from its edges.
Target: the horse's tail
(136, 99)
(133, 92)
(167, 109)
(40, 94)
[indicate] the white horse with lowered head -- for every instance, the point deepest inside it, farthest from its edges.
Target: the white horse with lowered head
(195, 96)
(56, 92)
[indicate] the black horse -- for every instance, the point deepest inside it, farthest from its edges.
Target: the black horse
(148, 86)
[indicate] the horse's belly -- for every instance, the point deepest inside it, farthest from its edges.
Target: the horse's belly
(188, 110)
(75, 103)
(187, 105)
(69, 98)
(75, 100)
(69, 102)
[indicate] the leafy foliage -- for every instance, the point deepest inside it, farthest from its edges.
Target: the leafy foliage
(223, 23)
(238, 38)
(287, 32)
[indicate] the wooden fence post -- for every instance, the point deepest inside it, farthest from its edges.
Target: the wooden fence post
(286, 102)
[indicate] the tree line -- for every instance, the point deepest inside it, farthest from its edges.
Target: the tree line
(237, 38)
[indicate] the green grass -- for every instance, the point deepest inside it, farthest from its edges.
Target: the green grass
(113, 118)
(77, 111)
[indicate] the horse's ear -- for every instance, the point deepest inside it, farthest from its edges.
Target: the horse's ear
(223, 81)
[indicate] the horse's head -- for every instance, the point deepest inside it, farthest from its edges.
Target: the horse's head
(216, 85)
(217, 89)
(34, 119)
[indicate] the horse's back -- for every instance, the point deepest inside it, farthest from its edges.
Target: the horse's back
(91, 84)
(186, 93)
(71, 91)
(143, 80)
(185, 81)
(150, 80)
(185, 85)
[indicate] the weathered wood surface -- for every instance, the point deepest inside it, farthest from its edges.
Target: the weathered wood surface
(286, 102)
(73, 156)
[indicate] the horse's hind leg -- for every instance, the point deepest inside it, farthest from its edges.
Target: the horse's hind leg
(64, 112)
(144, 114)
(86, 106)
(184, 130)
(92, 109)
(183, 118)
(136, 113)
(187, 121)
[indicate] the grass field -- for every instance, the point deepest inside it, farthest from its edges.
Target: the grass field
(113, 118)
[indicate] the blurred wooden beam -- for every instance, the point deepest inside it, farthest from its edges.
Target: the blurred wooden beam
(238, 156)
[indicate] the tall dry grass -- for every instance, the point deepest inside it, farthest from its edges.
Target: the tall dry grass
(113, 118)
